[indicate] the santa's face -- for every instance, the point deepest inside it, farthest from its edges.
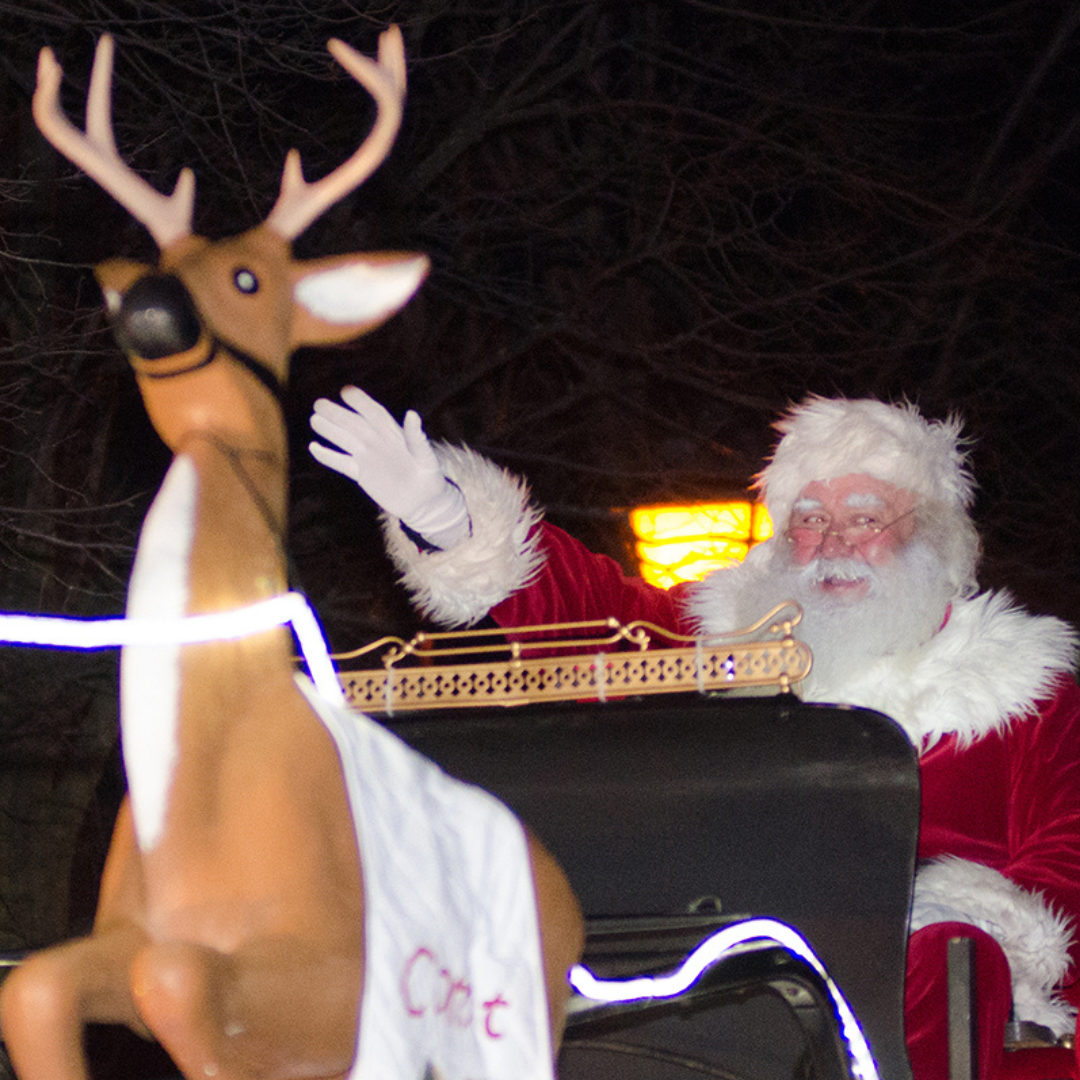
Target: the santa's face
(845, 529)
(853, 557)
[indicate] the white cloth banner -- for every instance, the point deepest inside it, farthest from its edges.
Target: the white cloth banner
(453, 980)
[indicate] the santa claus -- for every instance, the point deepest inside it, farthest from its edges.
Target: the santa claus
(873, 537)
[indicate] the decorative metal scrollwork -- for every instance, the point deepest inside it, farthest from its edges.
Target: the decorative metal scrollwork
(572, 661)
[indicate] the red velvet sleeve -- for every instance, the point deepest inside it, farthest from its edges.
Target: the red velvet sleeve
(576, 584)
(1044, 805)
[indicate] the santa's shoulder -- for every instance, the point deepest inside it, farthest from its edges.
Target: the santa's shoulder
(991, 664)
(996, 629)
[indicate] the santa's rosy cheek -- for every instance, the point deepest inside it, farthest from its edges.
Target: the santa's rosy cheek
(803, 552)
(881, 548)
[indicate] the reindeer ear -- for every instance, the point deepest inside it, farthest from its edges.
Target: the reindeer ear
(116, 276)
(340, 298)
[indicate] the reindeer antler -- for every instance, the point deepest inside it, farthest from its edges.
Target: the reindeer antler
(299, 202)
(167, 217)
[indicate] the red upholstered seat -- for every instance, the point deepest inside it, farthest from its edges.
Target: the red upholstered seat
(1040, 1063)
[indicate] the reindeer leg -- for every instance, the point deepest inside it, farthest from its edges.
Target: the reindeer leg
(276, 1008)
(46, 1002)
(562, 931)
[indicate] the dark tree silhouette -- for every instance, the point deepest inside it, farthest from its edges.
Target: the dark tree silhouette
(652, 225)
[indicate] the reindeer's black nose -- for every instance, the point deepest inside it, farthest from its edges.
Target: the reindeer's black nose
(157, 318)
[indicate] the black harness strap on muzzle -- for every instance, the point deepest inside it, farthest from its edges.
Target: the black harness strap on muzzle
(217, 346)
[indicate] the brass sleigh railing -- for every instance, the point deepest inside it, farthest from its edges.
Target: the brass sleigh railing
(570, 661)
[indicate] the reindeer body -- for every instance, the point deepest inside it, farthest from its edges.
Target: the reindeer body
(231, 919)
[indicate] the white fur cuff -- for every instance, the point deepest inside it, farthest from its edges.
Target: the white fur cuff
(460, 586)
(1034, 937)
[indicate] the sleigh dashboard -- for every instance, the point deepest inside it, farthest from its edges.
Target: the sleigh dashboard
(570, 662)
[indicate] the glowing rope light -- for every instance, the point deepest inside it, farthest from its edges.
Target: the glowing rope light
(287, 609)
(713, 949)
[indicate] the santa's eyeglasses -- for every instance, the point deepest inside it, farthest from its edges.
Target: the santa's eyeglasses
(809, 529)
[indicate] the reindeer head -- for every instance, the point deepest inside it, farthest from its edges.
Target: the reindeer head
(209, 331)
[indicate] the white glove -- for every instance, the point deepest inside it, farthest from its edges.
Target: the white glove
(393, 463)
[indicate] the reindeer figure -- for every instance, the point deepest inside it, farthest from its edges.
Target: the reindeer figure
(231, 924)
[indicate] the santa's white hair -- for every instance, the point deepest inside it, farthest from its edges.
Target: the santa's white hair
(827, 438)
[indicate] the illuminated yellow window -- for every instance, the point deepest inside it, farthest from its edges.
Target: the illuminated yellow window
(684, 543)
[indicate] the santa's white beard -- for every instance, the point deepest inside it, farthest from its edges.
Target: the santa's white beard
(904, 604)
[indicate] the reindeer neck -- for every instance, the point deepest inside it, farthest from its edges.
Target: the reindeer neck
(230, 429)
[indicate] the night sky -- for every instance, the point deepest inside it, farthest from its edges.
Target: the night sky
(652, 226)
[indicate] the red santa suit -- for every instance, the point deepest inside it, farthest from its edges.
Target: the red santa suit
(989, 702)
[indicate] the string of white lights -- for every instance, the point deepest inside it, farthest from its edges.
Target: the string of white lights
(716, 947)
(59, 632)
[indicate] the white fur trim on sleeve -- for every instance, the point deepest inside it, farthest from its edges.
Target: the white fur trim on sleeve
(460, 586)
(1035, 938)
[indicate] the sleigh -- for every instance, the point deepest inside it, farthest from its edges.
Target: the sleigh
(695, 803)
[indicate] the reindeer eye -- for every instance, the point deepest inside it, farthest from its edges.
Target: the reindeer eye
(246, 281)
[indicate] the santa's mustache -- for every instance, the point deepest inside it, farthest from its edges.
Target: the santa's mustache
(823, 569)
